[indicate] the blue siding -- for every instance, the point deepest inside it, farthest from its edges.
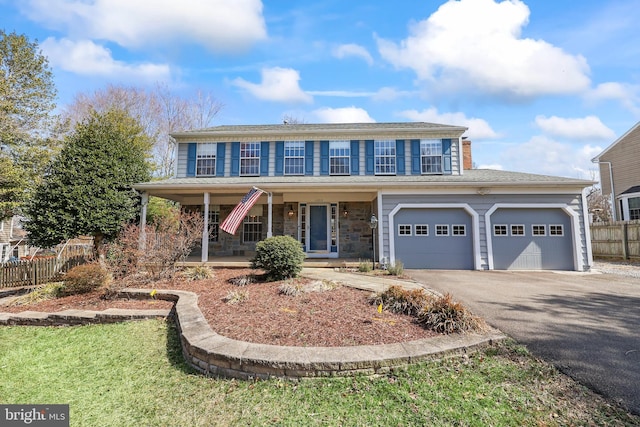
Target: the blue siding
(191, 158)
(446, 156)
(400, 170)
(355, 157)
(264, 158)
(324, 157)
(308, 158)
(235, 158)
(279, 158)
(220, 152)
(369, 157)
(416, 168)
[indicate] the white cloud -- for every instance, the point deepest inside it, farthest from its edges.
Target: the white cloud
(220, 25)
(627, 94)
(87, 58)
(347, 50)
(546, 156)
(590, 128)
(477, 44)
(278, 84)
(343, 115)
(478, 128)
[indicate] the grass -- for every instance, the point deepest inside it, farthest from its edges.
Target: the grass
(133, 374)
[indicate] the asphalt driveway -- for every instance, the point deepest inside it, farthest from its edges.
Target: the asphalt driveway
(586, 324)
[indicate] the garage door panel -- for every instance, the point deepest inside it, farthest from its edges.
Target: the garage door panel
(529, 251)
(433, 251)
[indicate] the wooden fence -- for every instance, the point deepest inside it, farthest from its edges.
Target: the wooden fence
(37, 271)
(616, 240)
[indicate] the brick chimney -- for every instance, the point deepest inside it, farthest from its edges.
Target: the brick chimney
(467, 162)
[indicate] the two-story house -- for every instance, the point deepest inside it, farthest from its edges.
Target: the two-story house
(620, 175)
(324, 182)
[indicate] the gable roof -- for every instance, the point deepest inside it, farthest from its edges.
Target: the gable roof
(325, 128)
(597, 158)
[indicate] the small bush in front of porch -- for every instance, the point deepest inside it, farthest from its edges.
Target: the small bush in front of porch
(199, 272)
(281, 257)
(85, 278)
(365, 266)
(396, 269)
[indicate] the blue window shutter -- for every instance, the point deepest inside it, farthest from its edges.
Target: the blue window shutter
(308, 158)
(192, 150)
(264, 158)
(279, 158)
(324, 157)
(220, 151)
(416, 168)
(235, 158)
(400, 170)
(446, 156)
(369, 157)
(355, 157)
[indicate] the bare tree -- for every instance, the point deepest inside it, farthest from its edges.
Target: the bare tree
(599, 205)
(160, 112)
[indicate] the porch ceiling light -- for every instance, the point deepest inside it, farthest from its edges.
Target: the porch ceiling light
(373, 222)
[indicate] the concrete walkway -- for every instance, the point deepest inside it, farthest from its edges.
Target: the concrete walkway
(586, 324)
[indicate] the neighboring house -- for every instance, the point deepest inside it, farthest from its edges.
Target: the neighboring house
(13, 239)
(620, 175)
(325, 181)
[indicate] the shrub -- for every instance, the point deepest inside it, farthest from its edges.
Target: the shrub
(396, 269)
(242, 280)
(290, 289)
(236, 297)
(403, 301)
(199, 272)
(85, 278)
(281, 257)
(364, 266)
(444, 315)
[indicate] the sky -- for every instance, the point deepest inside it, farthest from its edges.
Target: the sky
(543, 86)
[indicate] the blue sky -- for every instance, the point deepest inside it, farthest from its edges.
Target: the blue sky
(543, 86)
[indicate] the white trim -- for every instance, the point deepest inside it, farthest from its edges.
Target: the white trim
(578, 262)
(475, 223)
(204, 255)
(587, 228)
(380, 246)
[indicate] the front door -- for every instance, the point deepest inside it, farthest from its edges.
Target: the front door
(318, 242)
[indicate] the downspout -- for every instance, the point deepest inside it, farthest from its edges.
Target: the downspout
(613, 194)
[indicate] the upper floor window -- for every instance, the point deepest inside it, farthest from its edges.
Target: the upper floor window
(206, 159)
(385, 157)
(431, 156)
(250, 159)
(339, 157)
(294, 158)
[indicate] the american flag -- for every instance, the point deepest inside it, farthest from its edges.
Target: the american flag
(232, 222)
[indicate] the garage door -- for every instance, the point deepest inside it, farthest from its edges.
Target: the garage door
(434, 238)
(531, 239)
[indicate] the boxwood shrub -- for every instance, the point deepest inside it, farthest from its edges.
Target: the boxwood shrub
(281, 257)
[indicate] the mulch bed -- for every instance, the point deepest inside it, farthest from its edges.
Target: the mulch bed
(338, 317)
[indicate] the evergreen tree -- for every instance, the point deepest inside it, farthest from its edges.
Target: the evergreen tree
(88, 190)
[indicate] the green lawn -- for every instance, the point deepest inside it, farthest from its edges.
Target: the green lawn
(132, 374)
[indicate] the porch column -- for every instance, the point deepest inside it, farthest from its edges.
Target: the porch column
(142, 237)
(205, 230)
(269, 214)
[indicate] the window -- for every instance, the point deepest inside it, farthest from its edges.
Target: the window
(206, 159)
(404, 229)
(442, 230)
(459, 230)
(339, 157)
(500, 230)
(252, 229)
(294, 158)
(431, 156)
(517, 230)
(214, 224)
(538, 230)
(250, 159)
(556, 230)
(634, 208)
(422, 229)
(385, 157)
